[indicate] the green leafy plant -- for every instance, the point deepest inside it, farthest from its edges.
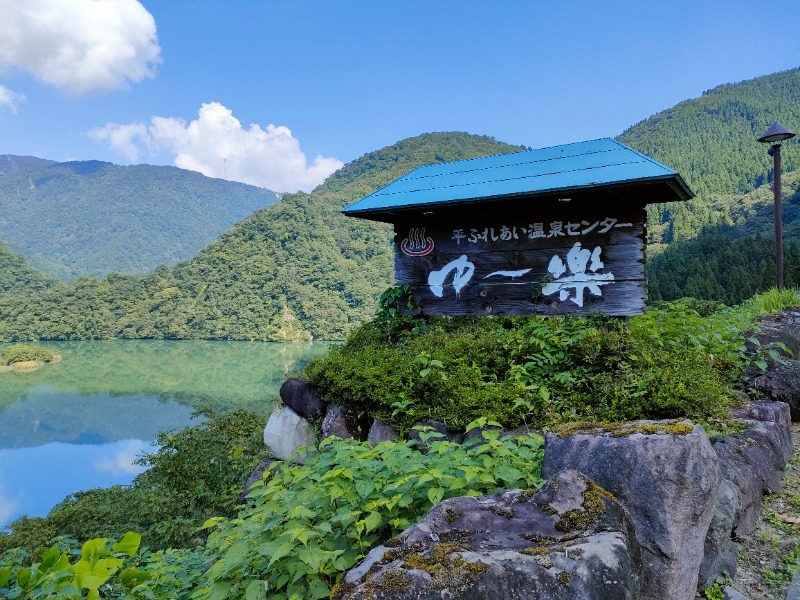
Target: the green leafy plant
(100, 565)
(308, 524)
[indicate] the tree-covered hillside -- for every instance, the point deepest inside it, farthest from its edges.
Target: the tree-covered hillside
(16, 275)
(730, 263)
(93, 218)
(294, 270)
(711, 141)
(10, 163)
(300, 269)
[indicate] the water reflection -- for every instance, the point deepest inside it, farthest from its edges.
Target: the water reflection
(50, 415)
(34, 479)
(79, 424)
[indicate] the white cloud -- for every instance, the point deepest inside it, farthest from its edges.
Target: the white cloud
(121, 462)
(8, 507)
(79, 45)
(10, 99)
(217, 145)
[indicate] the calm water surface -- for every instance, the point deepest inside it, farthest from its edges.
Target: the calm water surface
(80, 423)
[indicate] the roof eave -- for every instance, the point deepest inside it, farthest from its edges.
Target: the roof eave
(673, 180)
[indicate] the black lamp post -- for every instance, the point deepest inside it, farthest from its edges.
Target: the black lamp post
(774, 136)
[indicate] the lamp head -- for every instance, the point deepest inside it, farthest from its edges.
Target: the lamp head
(776, 134)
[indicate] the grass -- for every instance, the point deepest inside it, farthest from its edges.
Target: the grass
(768, 557)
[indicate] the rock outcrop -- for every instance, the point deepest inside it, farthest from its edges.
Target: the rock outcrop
(302, 398)
(782, 383)
(667, 475)
(569, 540)
(285, 432)
(343, 423)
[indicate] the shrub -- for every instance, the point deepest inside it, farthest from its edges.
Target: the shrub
(309, 524)
(678, 360)
(22, 352)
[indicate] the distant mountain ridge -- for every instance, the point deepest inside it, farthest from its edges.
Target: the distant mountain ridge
(300, 269)
(295, 270)
(712, 142)
(93, 218)
(10, 163)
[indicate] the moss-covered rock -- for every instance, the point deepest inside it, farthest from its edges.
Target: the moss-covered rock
(512, 545)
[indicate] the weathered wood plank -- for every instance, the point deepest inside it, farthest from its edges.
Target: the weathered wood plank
(624, 262)
(617, 298)
(519, 232)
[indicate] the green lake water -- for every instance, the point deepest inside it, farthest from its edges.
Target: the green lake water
(80, 423)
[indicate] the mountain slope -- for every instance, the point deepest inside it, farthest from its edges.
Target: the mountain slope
(293, 270)
(711, 141)
(93, 218)
(730, 263)
(16, 275)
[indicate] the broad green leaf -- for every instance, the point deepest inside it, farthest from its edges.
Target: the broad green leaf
(373, 521)
(255, 590)
(280, 552)
(317, 589)
(220, 591)
(435, 495)
(130, 578)
(23, 578)
(5, 576)
(129, 544)
(92, 548)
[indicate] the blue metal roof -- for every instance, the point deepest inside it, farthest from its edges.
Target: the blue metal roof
(582, 165)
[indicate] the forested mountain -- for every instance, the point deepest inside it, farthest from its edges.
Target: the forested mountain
(294, 270)
(711, 141)
(16, 275)
(10, 163)
(300, 269)
(92, 218)
(730, 263)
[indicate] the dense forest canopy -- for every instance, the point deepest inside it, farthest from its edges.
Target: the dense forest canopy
(711, 142)
(292, 271)
(94, 218)
(299, 269)
(17, 274)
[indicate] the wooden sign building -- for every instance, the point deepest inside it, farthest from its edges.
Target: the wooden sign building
(559, 230)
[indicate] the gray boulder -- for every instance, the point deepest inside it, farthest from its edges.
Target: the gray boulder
(719, 549)
(285, 432)
(302, 398)
(750, 465)
(256, 475)
(731, 594)
(439, 427)
(783, 328)
(569, 540)
(381, 432)
(342, 422)
(770, 424)
(666, 474)
(782, 383)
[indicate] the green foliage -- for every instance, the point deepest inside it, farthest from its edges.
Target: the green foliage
(195, 474)
(711, 142)
(308, 524)
(22, 352)
(17, 275)
(681, 359)
(113, 218)
(288, 272)
(100, 565)
(445, 370)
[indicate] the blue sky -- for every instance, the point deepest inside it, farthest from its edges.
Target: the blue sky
(279, 94)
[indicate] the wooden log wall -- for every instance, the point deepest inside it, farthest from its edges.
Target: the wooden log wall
(572, 260)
